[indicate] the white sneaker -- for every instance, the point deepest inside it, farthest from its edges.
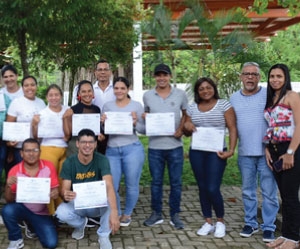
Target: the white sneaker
(16, 244)
(206, 229)
(220, 230)
(104, 243)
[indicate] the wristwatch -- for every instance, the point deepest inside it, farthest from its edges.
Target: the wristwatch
(290, 152)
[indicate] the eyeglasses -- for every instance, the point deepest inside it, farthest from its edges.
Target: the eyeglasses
(87, 142)
(250, 74)
(36, 150)
(102, 69)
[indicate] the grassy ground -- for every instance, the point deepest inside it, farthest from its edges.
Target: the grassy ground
(231, 175)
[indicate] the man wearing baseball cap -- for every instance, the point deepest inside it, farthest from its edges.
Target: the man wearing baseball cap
(166, 150)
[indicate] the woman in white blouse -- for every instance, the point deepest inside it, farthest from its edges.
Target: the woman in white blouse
(54, 144)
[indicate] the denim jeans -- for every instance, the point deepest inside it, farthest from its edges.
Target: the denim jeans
(42, 225)
(157, 160)
(127, 160)
(16, 158)
(254, 168)
(208, 170)
(288, 182)
(76, 218)
(3, 154)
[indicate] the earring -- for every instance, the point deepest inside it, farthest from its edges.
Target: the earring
(78, 98)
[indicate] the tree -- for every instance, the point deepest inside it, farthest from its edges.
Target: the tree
(70, 33)
(287, 49)
(260, 6)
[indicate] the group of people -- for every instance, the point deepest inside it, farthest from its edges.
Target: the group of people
(265, 122)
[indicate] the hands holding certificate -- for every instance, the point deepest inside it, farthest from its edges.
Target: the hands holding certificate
(119, 122)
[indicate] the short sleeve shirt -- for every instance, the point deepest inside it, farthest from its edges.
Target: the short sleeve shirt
(46, 170)
(175, 102)
(77, 172)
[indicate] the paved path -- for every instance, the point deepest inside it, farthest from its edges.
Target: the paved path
(163, 236)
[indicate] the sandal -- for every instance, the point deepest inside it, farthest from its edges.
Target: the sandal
(274, 244)
(289, 244)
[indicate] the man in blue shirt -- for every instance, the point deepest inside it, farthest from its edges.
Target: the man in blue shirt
(249, 104)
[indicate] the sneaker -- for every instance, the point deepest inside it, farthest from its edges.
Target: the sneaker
(21, 224)
(28, 233)
(206, 229)
(125, 221)
(268, 236)
(248, 231)
(176, 222)
(93, 221)
(78, 232)
(104, 243)
(154, 219)
(16, 244)
(220, 230)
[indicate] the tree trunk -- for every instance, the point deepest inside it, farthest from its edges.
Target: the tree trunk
(23, 51)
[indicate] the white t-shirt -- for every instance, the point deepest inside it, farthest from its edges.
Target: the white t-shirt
(57, 117)
(14, 95)
(24, 109)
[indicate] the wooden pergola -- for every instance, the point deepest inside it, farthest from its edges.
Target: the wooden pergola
(262, 27)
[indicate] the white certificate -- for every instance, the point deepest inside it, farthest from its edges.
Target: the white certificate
(49, 127)
(208, 139)
(90, 195)
(16, 131)
(85, 121)
(118, 123)
(160, 124)
(33, 190)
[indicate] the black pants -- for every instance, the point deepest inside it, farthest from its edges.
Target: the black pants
(288, 182)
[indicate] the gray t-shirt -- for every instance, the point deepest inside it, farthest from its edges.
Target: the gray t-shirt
(122, 140)
(175, 102)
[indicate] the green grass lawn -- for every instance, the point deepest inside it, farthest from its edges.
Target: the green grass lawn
(231, 175)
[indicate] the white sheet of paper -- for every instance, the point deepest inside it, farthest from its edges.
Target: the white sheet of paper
(90, 195)
(118, 123)
(33, 190)
(208, 139)
(160, 124)
(2, 101)
(85, 121)
(49, 128)
(16, 131)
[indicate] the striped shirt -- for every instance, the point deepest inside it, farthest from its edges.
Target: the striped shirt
(251, 124)
(212, 118)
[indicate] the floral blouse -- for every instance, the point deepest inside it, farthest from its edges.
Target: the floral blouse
(281, 123)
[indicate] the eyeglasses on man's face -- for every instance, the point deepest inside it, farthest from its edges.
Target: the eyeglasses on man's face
(102, 69)
(83, 142)
(36, 150)
(247, 74)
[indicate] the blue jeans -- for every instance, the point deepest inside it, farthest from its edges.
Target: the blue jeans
(42, 225)
(76, 218)
(127, 160)
(3, 154)
(208, 170)
(15, 154)
(157, 160)
(253, 168)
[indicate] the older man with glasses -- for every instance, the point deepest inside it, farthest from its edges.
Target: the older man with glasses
(249, 103)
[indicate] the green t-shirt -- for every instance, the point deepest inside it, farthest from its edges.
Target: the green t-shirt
(77, 172)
